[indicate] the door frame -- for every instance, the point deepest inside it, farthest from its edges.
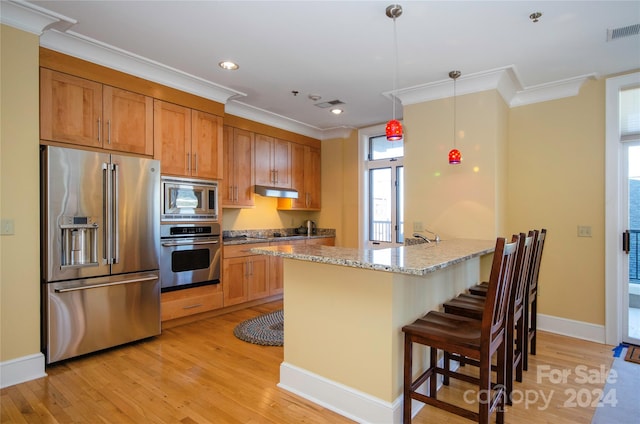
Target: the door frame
(615, 211)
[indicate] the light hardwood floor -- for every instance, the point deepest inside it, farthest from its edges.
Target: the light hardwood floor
(201, 373)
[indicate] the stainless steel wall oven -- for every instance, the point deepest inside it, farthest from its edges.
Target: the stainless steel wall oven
(190, 255)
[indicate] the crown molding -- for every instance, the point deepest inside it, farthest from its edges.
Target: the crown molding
(31, 18)
(88, 49)
(252, 113)
(505, 80)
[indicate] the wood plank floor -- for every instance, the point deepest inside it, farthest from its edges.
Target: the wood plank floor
(201, 373)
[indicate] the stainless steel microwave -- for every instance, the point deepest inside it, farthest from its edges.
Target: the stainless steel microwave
(186, 199)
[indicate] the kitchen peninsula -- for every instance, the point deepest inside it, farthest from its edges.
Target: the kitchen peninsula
(344, 311)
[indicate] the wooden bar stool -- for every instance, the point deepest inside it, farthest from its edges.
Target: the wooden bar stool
(475, 339)
(472, 306)
(531, 308)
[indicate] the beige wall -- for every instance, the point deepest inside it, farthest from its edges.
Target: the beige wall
(19, 201)
(340, 188)
(556, 180)
(264, 215)
(465, 200)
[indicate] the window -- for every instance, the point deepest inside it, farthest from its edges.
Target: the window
(385, 191)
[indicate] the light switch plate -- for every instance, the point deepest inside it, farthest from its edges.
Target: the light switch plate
(584, 231)
(6, 227)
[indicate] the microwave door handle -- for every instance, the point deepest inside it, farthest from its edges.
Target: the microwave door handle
(116, 214)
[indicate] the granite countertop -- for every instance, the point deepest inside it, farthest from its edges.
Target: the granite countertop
(418, 259)
(231, 238)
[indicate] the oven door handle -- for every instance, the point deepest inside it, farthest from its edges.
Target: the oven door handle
(188, 243)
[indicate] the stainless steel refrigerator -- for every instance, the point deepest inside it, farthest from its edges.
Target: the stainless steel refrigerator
(100, 249)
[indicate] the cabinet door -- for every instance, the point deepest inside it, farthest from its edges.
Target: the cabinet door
(258, 276)
(128, 121)
(172, 134)
(227, 186)
(265, 173)
(243, 143)
(324, 241)
(206, 145)
(312, 178)
(281, 162)
(70, 109)
(234, 281)
(276, 280)
(297, 175)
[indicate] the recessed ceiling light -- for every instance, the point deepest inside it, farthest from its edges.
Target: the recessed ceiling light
(336, 111)
(228, 65)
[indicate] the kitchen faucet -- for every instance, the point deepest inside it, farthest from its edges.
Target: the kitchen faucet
(420, 236)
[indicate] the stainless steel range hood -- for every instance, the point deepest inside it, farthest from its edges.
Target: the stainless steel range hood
(276, 192)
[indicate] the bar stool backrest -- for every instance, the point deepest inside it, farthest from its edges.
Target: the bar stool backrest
(496, 304)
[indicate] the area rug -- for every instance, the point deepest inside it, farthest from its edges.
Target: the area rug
(619, 400)
(266, 330)
(633, 354)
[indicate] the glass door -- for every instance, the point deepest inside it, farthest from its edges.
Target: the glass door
(631, 319)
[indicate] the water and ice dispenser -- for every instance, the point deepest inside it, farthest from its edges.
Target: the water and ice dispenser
(79, 241)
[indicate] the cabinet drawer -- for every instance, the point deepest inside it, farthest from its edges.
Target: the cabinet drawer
(239, 250)
(181, 303)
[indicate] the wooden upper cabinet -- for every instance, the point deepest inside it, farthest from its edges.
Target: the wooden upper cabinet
(127, 121)
(172, 137)
(188, 142)
(237, 185)
(272, 161)
(312, 186)
(305, 177)
(206, 145)
(70, 109)
(83, 112)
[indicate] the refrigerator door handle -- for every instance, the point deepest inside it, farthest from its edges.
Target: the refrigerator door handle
(107, 207)
(116, 214)
(114, 283)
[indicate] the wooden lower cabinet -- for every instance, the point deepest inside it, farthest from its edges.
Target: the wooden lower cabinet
(325, 241)
(181, 303)
(245, 276)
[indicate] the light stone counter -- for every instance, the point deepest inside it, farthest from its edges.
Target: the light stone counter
(419, 259)
(344, 310)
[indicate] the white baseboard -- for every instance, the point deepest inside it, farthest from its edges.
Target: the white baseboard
(346, 401)
(571, 328)
(21, 369)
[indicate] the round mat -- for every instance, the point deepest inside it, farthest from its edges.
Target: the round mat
(266, 330)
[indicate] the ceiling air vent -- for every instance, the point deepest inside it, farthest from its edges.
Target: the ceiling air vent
(628, 31)
(325, 105)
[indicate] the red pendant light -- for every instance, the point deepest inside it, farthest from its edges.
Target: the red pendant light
(393, 129)
(455, 157)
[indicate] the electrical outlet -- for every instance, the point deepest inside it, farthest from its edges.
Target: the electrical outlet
(584, 231)
(6, 227)
(417, 226)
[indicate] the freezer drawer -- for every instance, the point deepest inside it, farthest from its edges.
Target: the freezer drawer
(93, 314)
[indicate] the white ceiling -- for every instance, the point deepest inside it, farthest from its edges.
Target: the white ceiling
(344, 49)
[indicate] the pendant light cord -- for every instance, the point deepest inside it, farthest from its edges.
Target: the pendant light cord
(395, 70)
(454, 112)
